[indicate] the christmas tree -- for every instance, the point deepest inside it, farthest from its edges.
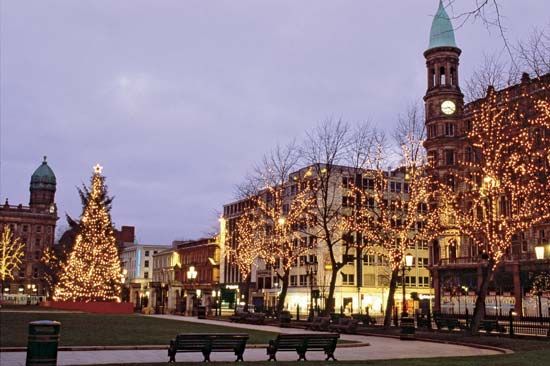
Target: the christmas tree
(92, 271)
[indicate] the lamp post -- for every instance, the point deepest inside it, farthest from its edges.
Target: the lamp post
(310, 271)
(191, 276)
(407, 264)
(539, 251)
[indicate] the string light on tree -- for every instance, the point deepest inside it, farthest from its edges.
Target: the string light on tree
(92, 271)
(503, 189)
(12, 251)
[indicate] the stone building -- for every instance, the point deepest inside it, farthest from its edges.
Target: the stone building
(137, 263)
(35, 225)
(166, 289)
(455, 260)
(363, 281)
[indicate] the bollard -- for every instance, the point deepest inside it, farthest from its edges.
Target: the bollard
(43, 342)
(298, 312)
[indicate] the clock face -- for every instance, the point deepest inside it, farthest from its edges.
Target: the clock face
(448, 107)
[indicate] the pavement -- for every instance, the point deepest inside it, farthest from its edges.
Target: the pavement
(368, 348)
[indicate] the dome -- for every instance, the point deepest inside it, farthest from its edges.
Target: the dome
(442, 33)
(43, 177)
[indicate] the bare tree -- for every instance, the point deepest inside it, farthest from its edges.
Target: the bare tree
(12, 251)
(493, 71)
(534, 53)
(324, 151)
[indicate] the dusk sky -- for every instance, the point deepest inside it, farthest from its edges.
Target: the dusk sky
(177, 99)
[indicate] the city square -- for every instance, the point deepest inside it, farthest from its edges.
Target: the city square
(258, 183)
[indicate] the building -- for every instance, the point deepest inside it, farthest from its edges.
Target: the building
(137, 264)
(363, 281)
(166, 289)
(35, 225)
(200, 271)
(455, 261)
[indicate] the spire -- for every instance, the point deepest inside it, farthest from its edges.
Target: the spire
(442, 33)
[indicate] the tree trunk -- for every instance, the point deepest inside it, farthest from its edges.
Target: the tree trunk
(246, 291)
(329, 303)
(479, 310)
(391, 294)
(284, 289)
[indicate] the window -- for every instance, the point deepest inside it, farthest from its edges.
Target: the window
(424, 281)
(145, 274)
(146, 265)
(431, 131)
(37, 255)
(422, 262)
(293, 280)
(369, 259)
(146, 253)
(37, 242)
(432, 157)
(368, 183)
(303, 280)
(155, 251)
(449, 129)
(38, 228)
(35, 272)
(449, 157)
(348, 279)
(25, 228)
(346, 182)
(406, 187)
(370, 202)
(423, 244)
(347, 258)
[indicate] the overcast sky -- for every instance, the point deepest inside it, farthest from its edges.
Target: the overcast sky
(177, 99)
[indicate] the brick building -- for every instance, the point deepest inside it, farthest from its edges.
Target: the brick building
(455, 260)
(202, 258)
(35, 225)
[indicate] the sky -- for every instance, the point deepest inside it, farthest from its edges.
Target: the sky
(178, 99)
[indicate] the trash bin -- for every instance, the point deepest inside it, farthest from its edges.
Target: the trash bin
(407, 328)
(201, 312)
(42, 343)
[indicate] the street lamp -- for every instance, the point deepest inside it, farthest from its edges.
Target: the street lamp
(539, 251)
(406, 267)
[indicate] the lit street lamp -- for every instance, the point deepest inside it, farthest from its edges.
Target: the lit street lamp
(539, 251)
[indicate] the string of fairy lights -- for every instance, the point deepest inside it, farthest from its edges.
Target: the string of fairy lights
(504, 189)
(12, 252)
(92, 271)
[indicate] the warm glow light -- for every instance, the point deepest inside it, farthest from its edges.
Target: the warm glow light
(98, 169)
(408, 260)
(281, 221)
(539, 251)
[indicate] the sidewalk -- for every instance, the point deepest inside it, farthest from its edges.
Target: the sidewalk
(380, 348)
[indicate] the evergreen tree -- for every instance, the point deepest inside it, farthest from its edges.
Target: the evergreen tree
(92, 271)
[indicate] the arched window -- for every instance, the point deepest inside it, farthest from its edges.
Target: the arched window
(442, 76)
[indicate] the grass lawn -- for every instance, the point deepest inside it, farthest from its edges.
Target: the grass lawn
(84, 329)
(530, 358)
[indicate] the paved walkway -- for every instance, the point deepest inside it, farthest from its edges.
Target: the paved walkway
(380, 348)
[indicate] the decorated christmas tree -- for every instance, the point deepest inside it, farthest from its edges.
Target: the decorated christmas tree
(92, 271)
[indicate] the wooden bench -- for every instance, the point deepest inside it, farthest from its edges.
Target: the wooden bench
(206, 343)
(319, 323)
(238, 317)
(449, 323)
(301, 343)
(490, 325)
(344, 325)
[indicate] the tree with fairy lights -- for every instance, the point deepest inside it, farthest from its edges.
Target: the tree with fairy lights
(389, 222)
(12, 252)
(92, 271)
(501, 186)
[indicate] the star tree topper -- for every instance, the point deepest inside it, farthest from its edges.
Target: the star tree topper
(98, 169)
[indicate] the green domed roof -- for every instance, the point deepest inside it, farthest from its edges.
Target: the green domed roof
(43, 177)
(442, 33)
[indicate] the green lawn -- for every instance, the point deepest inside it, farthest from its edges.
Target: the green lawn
(530, 358)
(83, 329)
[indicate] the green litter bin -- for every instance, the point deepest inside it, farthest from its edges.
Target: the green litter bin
(42, 343)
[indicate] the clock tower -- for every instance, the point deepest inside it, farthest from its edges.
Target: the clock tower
(444, 102)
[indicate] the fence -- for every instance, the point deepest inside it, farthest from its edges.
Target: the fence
(513, 324)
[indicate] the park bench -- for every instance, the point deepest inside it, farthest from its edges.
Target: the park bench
(490, 325)
(449, 323)
(301, 343)
(344, 325)
(206, 343)
(238, 317)
(319, 323)
(255, 318)
(366, 319)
